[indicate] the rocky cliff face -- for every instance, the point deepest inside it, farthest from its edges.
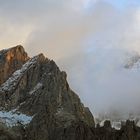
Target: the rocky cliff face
(36, 102)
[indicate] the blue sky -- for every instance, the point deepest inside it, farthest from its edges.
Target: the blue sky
(124, 3)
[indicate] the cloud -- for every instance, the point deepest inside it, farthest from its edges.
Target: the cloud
(67, 30)
(90, 39)
(92, 46)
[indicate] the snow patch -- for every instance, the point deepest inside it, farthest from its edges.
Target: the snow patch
(36, 88)
(16, 76)
(138, 123)
(114, 124)
(12, 118)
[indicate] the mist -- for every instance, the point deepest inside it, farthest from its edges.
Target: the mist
(89, 39)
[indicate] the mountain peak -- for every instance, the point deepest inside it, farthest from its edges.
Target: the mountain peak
(10, 60)
(36, 89)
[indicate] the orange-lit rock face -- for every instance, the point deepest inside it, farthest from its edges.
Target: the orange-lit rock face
(11, 60)
(9, 56)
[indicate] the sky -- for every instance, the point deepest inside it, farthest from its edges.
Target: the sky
(90, 39)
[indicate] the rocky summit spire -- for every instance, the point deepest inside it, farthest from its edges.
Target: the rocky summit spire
(11, 60)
